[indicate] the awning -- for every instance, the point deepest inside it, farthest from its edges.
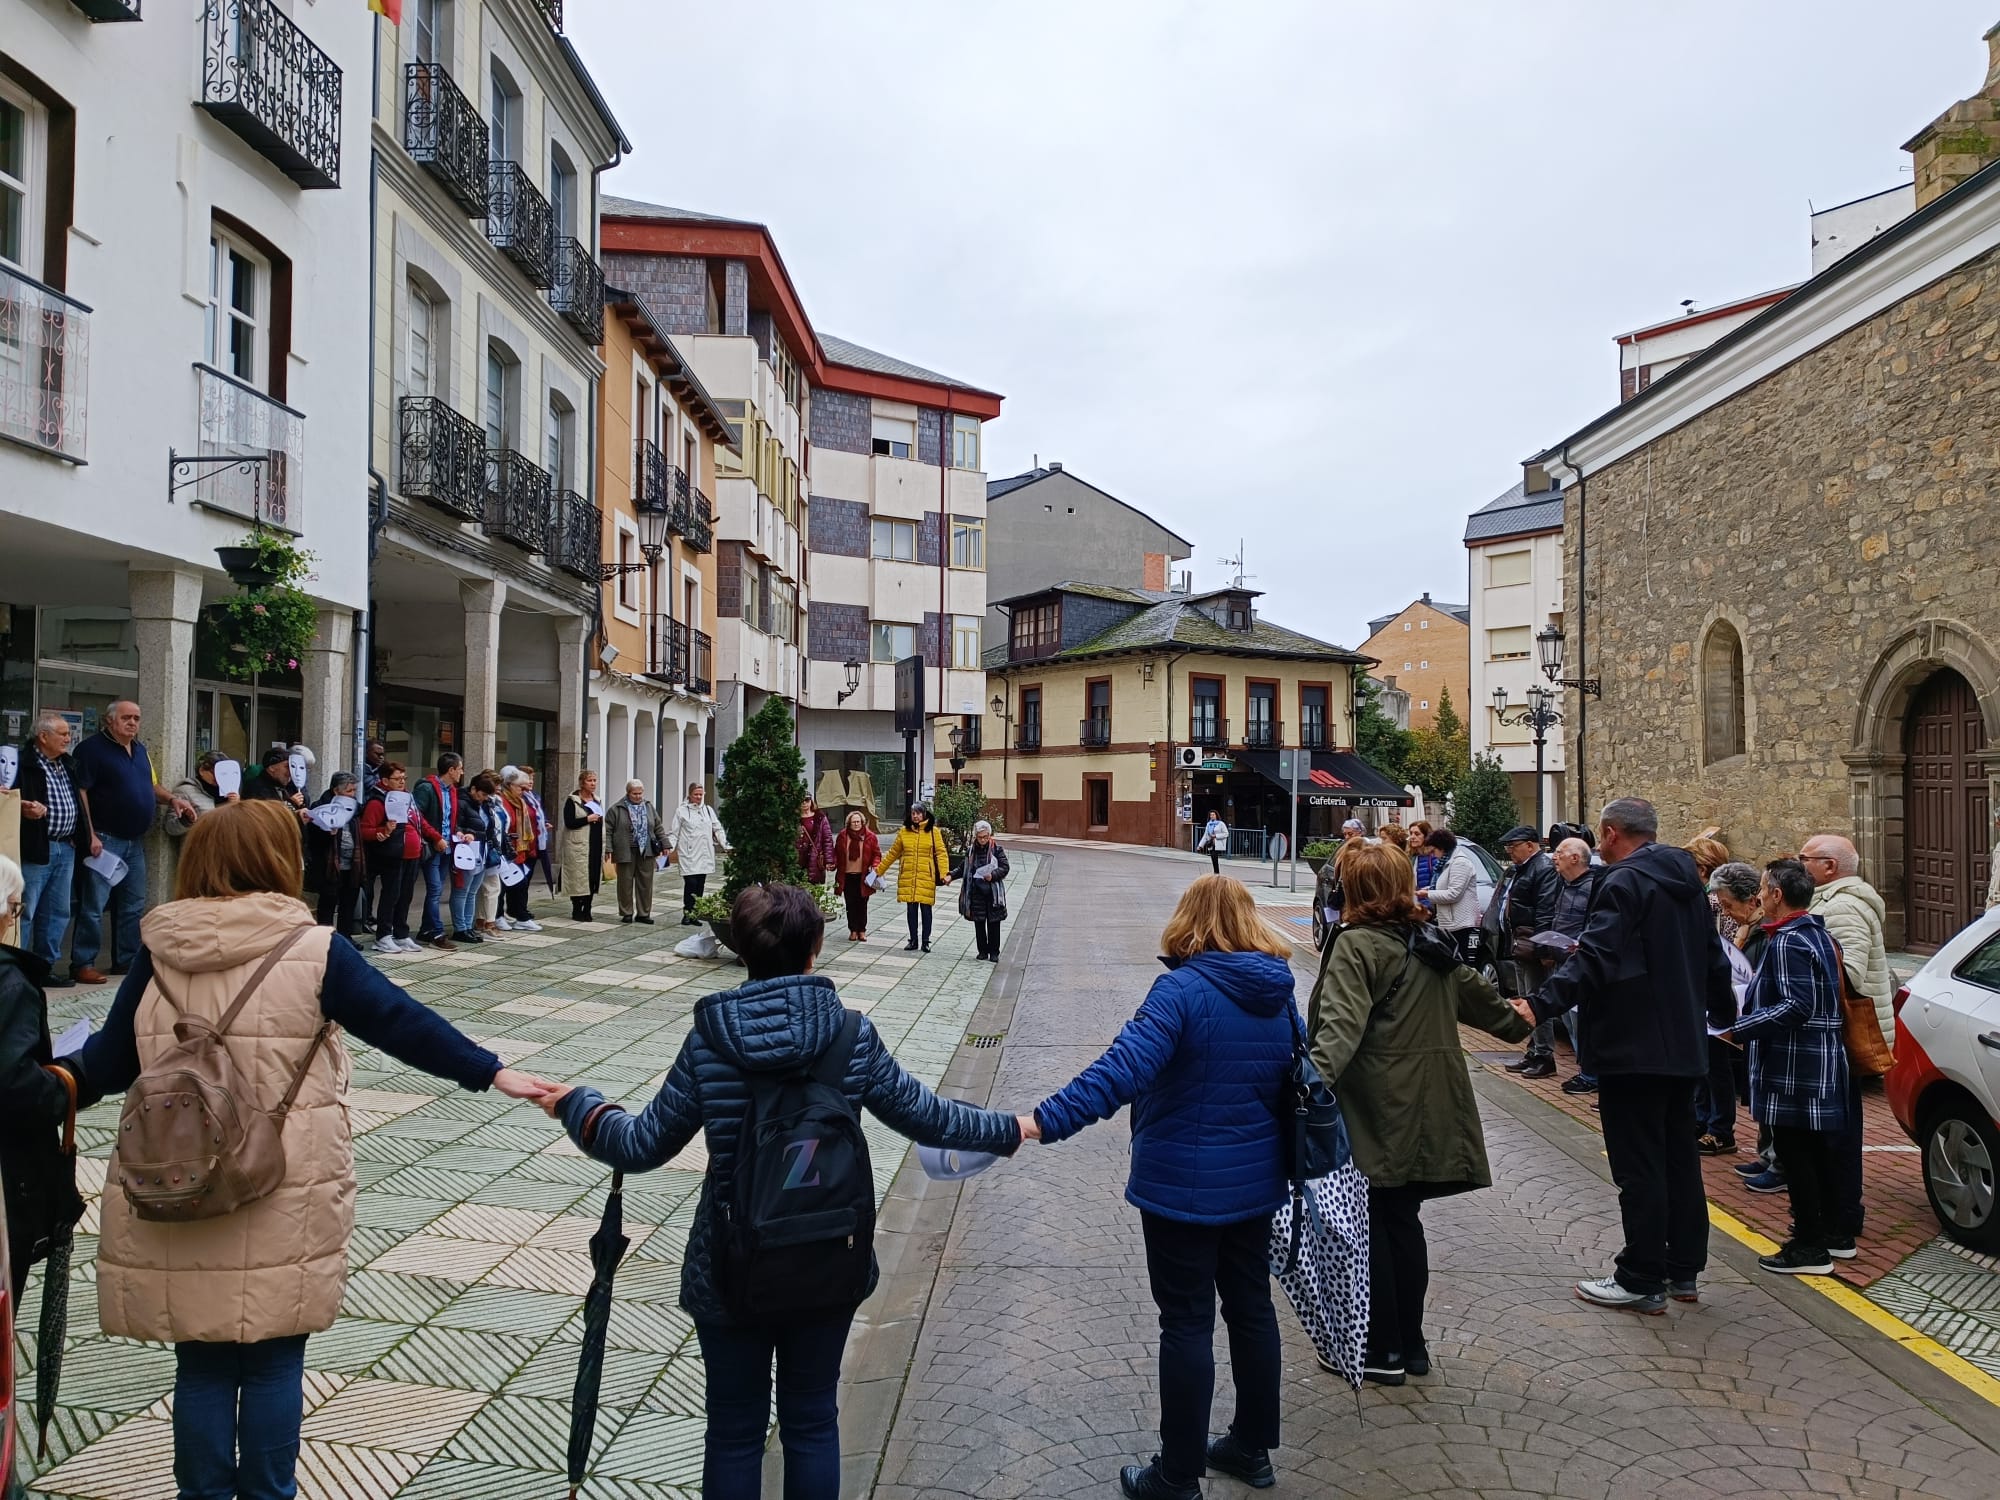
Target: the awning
(1339, 778)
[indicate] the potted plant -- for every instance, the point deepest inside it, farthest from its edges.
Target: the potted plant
(1318, 852)
(268, 626)
(713, 909)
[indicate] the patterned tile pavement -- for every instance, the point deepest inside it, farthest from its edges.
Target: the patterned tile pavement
(448, 1374)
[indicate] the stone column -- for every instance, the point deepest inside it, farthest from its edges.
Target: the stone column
(571, 631)
(327, 714)
(164, 607)
(483, 599)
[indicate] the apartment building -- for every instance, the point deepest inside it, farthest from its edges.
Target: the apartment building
(1513, 548)
(652, 666)
(1182, 704)
(488, 311)
(1423, 649)
(182, 194)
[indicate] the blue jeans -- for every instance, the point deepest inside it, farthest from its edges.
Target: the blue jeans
(237, 1409)
(46, 917)
(465, 898)
(127, 901)
(738, 1361)
(437, 878)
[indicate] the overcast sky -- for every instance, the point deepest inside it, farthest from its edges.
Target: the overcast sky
(1314, 275)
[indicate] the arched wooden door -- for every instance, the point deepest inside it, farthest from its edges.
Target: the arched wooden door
(1945, 810)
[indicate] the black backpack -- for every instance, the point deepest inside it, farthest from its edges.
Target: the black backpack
(798, 1217)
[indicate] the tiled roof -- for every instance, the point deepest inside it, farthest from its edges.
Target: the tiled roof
(998, 487)
(1515, 513)
(841, 352)
(609, 204)
(1176, 622)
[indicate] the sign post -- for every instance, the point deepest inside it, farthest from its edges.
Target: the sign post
(1291, 771)
(910, 720)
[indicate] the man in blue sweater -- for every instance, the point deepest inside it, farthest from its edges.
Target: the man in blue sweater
(124, 795)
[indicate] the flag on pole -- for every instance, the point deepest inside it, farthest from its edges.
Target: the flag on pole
(393, 9)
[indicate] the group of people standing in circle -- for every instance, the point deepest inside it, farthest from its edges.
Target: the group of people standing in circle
(854, 863)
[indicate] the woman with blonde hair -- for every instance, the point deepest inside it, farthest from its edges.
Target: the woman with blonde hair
(238, 1293)
(1384, 1028)
(1201, 1065)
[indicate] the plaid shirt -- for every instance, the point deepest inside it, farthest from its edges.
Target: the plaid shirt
(1792, 1025)
(62, 799)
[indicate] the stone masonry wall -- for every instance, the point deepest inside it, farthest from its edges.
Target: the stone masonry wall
(674, 287)
(841, 422)
(838, 528)
(930, 538)
(837, 632)
(735, 298)
(729, 579)
(1840, 513)
(930, 429)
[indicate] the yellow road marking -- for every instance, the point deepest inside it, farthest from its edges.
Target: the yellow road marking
(1886, 1323)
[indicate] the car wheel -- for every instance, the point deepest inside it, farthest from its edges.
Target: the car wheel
(1961, 1156)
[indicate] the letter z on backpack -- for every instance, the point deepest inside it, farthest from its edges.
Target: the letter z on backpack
(798, 1215)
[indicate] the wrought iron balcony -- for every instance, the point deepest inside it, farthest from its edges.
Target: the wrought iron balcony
(1210, 734)
(520, 222)
(576, 536)
(1094, 733)
(701, 669)
(551, 12)
(443, 132)
(666, 648)
(578, 295)
(652, 477)
(109, 10)
(517, 500)
(700, 534)
(444, 457)
(44, 367)
(1027, 736)
(1312, 737)
(1263, 734)
(240, 421)
(969, 736)
(263, 78)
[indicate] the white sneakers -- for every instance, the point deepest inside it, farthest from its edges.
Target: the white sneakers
(387, 945)
(409, 945)
(502, 923)
(528, 926)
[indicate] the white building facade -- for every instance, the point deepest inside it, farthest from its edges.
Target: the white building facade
(180, 283)
(1514, 582)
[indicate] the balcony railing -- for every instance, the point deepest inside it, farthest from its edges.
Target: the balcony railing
(652, 477)
(263, 78)
(551, 12)
(444, 457)
(578, 295)
(1027, 736)
(442, 132)
(576, 536)
(1094, 733)
(517, 500)
(240, 421)
(520, 222)
(1210, 734)
(700, 534)
(969, 736)
(1312, 737)
(1263, 734)
(666, 648)
(701, 669)
(109, 10)
(44, 367)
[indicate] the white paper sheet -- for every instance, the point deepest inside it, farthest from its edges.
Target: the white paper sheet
(107, 864)
(594, 806)
(396, 806)
(72, 1039)
(333, 814)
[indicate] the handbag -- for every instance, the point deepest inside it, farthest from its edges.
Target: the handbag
(1868, 1055)
(1319, 1253)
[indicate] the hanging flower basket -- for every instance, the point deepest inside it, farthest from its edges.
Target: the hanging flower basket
(268, 626)
(246, 567)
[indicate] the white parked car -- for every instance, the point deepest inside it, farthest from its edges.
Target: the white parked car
(1945, 1087)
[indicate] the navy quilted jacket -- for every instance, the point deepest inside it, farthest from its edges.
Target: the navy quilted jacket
(767, 1026)
(1201, 1065)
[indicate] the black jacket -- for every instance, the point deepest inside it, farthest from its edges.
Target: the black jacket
(975, 897)
(33, 784)
(1573, 898)
(1531, 895)
(1648, 970)
(38, 1179)
(767, 1026)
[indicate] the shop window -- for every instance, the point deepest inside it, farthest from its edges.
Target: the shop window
(1031, 801)
(1097, 799)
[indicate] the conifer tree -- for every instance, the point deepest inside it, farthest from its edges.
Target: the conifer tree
(763, 781)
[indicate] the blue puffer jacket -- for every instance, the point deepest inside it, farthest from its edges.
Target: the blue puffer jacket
(768, 1026)
(1201, 1065)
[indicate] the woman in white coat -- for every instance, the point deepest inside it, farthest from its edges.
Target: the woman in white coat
(694, 838)
(1454, 892)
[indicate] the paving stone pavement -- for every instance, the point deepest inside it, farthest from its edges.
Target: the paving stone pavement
(448, 1374)
(1033, 1373)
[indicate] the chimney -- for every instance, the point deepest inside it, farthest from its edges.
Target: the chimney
(1156, 571)
(1962, 140)
(1055, 466)
(1427, 596)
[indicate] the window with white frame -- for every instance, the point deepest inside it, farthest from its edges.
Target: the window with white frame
(1506, 568)
(423, 330)
(23, 178)
(1423, 624)
(753, 595)
(556, 441)
(427, 33)
(499, 403)
(1510, 643)
(968, 542)
(629, 580)
(967, 632)
(562, 192)
(889, 642)
(895, 437)
(964, 441)
(239, 309)
(895, 541)
(503, 115)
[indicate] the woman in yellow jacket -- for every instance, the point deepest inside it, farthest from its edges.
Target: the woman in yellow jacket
(926, 866)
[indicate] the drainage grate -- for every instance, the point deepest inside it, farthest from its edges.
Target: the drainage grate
(986, 1041)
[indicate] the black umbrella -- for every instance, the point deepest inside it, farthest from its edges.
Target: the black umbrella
(52, 1329)
(607, 1248)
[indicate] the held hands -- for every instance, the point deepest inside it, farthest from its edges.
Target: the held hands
(518, 1085)
(1524, 1010)
(552, 1098)
(1030, 1130)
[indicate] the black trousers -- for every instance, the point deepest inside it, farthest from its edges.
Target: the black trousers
(692, 887)
(1715, 1100)
(395, 882)
(1399, 1269)
(339, 890)
(1215, 861)
(1190, 1265)
(854, 889)
(1849, 1216)
(988, 936)
(1649, 1137)
(910, 910)
(1812, 1172)
(514, 898)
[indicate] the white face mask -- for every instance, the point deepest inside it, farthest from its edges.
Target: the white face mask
(10, 765)
(298, 767)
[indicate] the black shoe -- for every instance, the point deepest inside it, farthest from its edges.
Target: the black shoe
(626, 920)
(1520, 1065)
(1684, 1291)
(1150, 1483)
(119, 969)
(1842, 1249)
(927, 947)
(644, 921)
(467, 937)
(1384, 1369)
(1418, 1364)
(1251, 1465)
(1753, 1168)
(910, 946)
(53, 983)
(1541, 1067)
(1798, 1260)
(1579, 1084)
(690, 920)
(430, 937)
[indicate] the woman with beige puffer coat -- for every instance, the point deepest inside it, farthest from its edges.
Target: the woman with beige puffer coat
(238, 1293)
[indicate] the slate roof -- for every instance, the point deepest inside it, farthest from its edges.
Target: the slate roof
(1515, 513)
(633, 208)
(995, 488)
(1460, 612)
(1168, 620)
(841, 352)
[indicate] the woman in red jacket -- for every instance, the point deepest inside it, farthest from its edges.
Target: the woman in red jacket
(393, 851)
(855, 853)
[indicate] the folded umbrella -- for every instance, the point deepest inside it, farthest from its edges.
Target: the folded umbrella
(52, 1329)
(607, 1249)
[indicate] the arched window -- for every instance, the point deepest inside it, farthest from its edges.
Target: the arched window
(1721, 693)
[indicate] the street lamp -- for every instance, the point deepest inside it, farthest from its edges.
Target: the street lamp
(1549, 643)
(956, 736)
(853, 670)
(652, 542)
(999, 706)
(1540, 715)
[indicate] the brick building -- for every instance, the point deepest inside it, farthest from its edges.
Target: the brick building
(1791, 593)
(1425, 649)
